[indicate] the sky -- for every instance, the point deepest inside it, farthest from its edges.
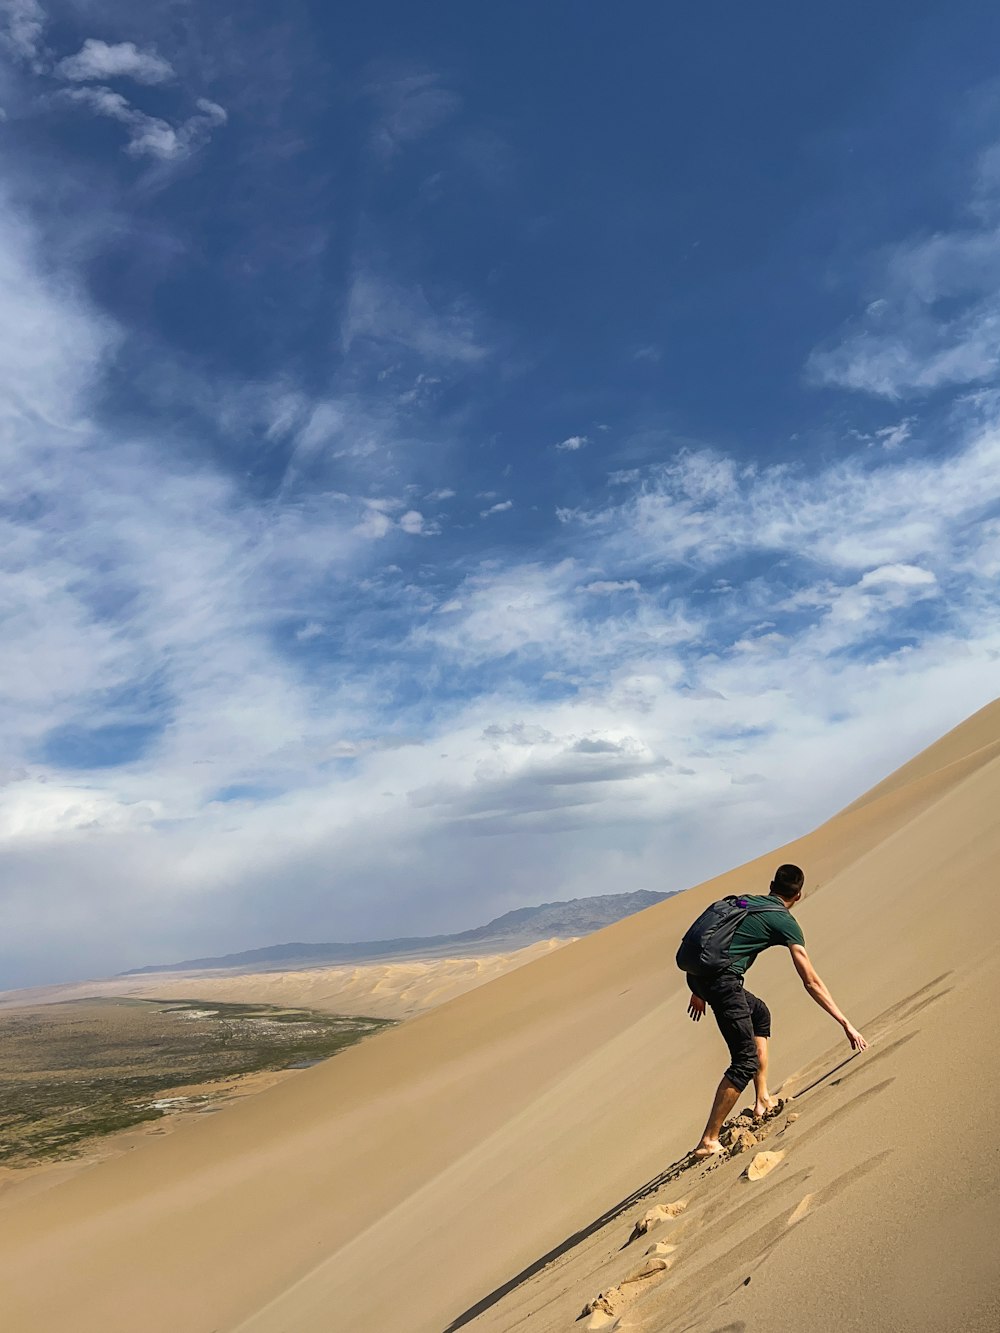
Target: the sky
(460, 457)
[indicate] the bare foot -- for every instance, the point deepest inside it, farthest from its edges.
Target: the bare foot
(765, 1105)
(707, 1148)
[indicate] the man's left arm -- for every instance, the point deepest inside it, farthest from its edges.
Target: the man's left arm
(817, 991)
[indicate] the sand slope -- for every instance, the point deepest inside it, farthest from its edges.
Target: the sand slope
(397, 1186)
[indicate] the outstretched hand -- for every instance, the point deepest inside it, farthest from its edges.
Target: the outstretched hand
(858, 1042)
(696, 1007)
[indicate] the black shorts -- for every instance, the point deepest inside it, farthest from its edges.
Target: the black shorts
(740, 1016)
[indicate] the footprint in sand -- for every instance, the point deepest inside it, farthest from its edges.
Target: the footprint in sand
(609, 1303)
(605, 1309)
(763, 1164)
(662, 1247)
(607, 1322)
(649, 1267)
(664, 1212)
(741, 1140)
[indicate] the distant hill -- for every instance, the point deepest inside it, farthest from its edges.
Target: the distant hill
(513, 930)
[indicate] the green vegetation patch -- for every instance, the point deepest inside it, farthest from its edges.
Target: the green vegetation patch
(72, 1071)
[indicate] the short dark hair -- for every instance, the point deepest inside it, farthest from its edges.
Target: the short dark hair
(788, 881)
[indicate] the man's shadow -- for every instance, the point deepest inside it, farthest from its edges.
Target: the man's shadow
(671, 1173)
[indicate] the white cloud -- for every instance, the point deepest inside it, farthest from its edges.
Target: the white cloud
(893, 437)
(98, 61)
(413, 522)
(532, 612)
(572, 443)
(36, 809)
(374, 525)
(904, 575)
(511, 610)
(500, 507)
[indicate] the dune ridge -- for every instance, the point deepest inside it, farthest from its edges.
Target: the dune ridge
(408, 1183)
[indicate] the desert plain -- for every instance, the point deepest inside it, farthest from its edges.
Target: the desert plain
(516, 1157)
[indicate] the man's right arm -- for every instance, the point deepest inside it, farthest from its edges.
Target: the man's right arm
(816, 988)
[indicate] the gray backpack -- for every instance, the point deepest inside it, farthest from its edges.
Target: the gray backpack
(704, 950)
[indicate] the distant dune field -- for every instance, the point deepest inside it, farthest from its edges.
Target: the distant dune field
(393, 989)
(483, 1165)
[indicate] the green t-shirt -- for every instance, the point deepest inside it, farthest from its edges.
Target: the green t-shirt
(760, 930)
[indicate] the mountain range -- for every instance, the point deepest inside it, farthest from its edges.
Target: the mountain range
(513, 930)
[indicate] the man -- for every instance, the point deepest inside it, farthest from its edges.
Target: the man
(743, 1019)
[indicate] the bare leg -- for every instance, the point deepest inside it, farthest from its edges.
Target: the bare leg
(726, 1096)
(765, 1102)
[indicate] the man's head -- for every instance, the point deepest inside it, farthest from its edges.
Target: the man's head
(788, 883)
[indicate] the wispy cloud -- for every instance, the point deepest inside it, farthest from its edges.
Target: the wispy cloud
(410, 104)
(894, 437)
(391, 315)
(650, 352)
(605, 587)
(572, 443)
(500, 507)
(703, 509)
(149, 136)
(933, 320)
(22, 25)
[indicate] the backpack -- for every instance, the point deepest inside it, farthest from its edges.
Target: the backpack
(704, 950)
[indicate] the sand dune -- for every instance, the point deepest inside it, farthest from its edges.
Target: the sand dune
(484, 1164)
(391, 989)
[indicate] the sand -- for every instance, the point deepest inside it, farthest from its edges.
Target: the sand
(484, 1165)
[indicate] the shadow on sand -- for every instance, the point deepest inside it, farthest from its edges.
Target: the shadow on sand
(643, 1192)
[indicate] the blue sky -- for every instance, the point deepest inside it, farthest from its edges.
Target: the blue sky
(456, 459)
